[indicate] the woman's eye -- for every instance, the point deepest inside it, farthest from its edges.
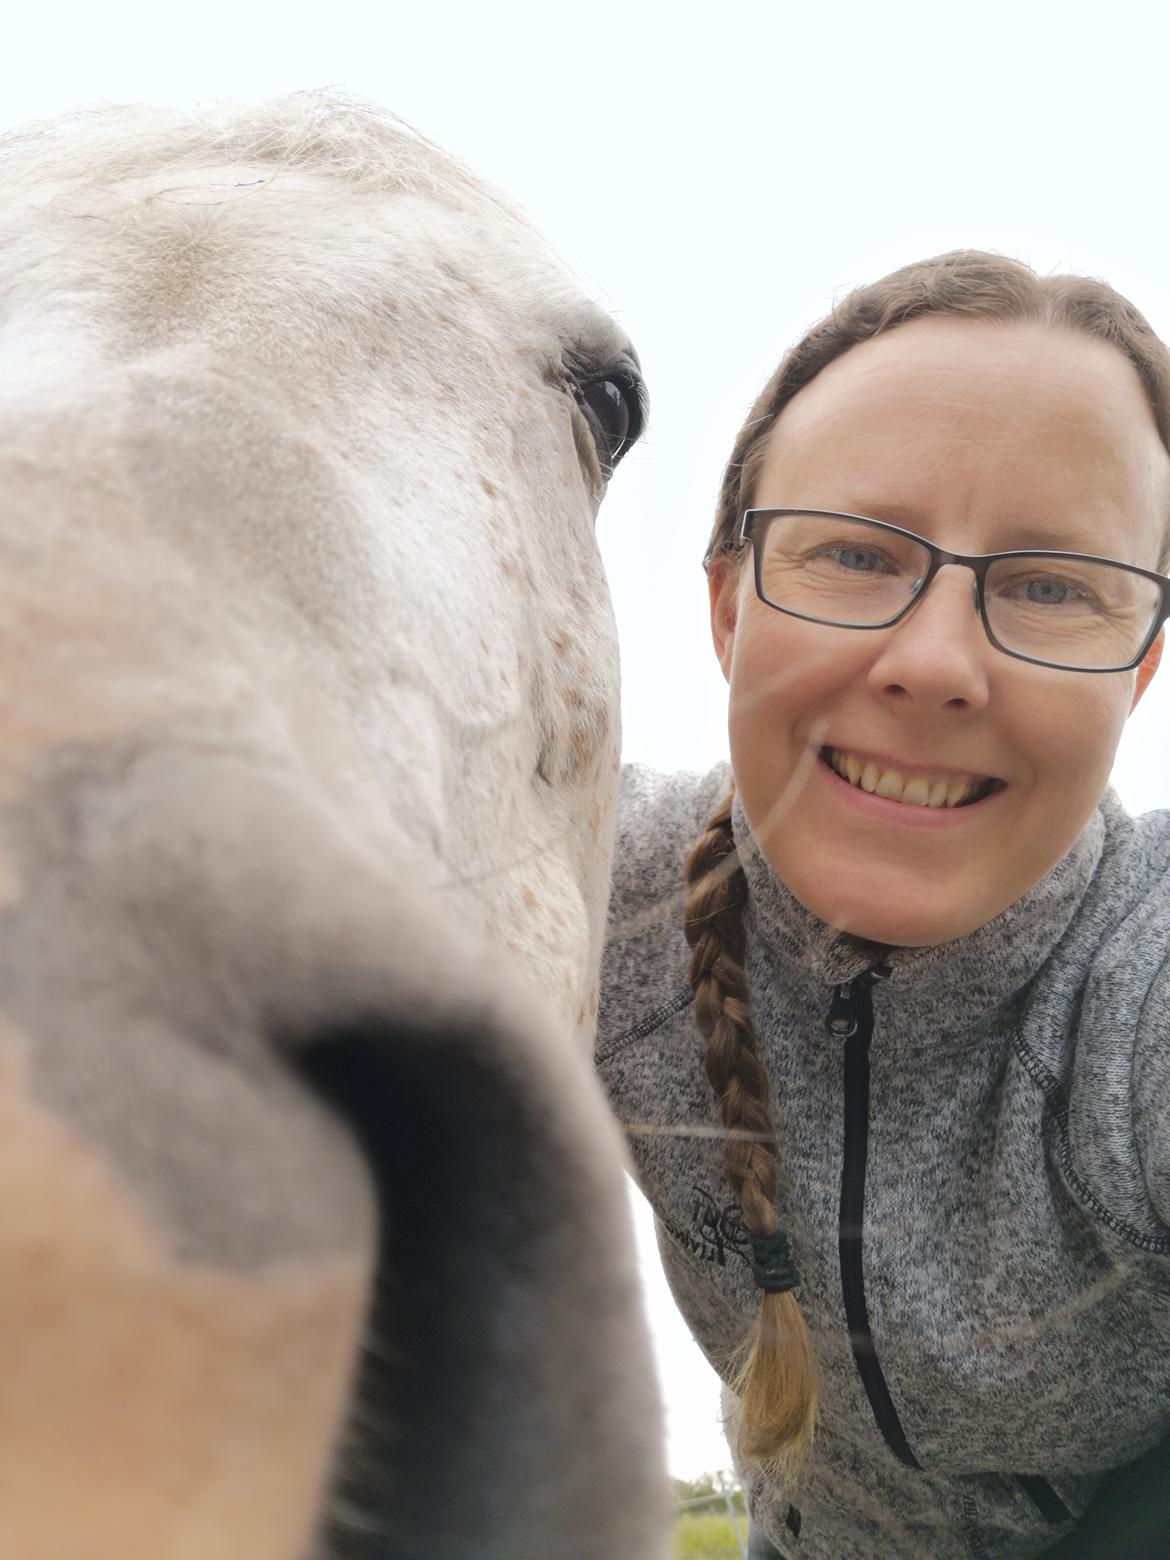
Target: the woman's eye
(1048, 593)
(856, 560)
(1046, 590)
(860, 560)
(615, 406)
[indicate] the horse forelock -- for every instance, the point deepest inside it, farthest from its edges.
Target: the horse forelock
(168, 199)
(323, 130)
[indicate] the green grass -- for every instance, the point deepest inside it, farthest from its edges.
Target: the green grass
(706, 1536)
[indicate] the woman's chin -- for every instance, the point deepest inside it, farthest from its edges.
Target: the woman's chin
(874, 913)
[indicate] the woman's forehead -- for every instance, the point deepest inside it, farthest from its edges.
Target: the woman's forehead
(974, 375)
(946, 417)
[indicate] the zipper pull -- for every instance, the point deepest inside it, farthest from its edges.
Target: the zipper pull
(843, 1011)
(852, 1003)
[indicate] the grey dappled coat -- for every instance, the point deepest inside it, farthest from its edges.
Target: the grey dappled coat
(1008, 1289)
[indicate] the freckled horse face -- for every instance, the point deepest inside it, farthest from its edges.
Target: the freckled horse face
(308, 750)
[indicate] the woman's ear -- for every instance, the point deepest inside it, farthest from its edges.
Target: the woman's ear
(1146, 669)
(723, 589)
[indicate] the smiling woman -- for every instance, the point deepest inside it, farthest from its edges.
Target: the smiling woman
(924, 949)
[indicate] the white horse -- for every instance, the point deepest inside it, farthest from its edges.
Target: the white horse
(312, 1226)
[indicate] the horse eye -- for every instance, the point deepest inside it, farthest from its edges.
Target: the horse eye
(616, 404)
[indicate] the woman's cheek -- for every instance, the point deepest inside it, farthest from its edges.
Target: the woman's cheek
(1068, 733)
(788, 671)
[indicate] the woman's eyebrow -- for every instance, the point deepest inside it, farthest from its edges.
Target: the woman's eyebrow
(1015, 535)
(892, 513)
(1012, 533)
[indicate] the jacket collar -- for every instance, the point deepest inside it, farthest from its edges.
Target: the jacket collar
(945, 988)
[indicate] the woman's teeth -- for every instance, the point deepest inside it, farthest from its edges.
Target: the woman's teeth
(918, 791)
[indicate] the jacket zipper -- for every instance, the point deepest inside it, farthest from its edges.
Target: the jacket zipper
(851, 1018)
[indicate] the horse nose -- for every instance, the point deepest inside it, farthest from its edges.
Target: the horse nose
(382, 1187)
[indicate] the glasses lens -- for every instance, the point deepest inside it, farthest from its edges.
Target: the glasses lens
(1086, 616)
(836, 570)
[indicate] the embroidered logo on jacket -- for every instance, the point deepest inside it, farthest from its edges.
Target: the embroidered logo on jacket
(715, 1230)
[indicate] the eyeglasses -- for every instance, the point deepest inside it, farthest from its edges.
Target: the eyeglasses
(1060, 609)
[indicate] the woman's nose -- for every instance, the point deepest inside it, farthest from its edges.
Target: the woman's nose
(936, 657)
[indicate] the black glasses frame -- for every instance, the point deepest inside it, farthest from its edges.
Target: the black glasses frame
(755, 524)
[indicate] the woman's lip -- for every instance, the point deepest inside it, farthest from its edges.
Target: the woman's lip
(927, 771)
(881, 810)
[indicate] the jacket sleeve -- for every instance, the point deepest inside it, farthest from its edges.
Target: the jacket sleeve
(1151, 1094)
(659, 818)
(1116, 1117)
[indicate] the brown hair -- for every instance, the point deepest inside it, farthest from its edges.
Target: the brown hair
(774, 1372)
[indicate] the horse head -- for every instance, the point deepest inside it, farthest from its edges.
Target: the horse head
(312, 1223)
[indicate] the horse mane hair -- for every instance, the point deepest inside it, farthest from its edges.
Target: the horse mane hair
(90, 151)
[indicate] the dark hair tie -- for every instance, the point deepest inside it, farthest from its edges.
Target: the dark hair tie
(772, 1266)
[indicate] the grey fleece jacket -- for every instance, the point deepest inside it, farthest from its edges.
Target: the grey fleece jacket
(978, 1197)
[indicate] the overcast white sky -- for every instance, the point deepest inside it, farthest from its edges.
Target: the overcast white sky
(716, 175)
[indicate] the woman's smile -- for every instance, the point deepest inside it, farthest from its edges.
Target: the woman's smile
(911, 784)
(914, 798)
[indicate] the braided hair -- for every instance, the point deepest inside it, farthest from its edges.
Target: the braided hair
(774, 1373)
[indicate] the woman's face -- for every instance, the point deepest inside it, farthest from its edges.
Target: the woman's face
(980, 437)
